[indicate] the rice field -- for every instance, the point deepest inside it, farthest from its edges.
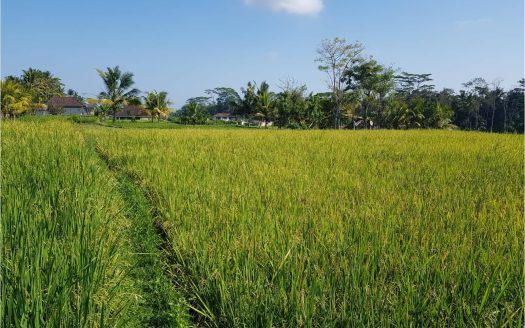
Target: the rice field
(337, 228)
(261, 228)
(60, 257)
(66, 258)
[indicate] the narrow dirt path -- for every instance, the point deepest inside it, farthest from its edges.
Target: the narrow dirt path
(161, 303)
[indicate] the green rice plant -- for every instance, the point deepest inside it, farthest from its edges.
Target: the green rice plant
(84, 119)
(336, 228)
(146, 124)
(63, 259)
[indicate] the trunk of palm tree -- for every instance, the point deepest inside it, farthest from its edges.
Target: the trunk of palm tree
(493, 110)
(337, 111)
(477, 118)
(335, 116)
(504, 116)
(338, 117)
(366, 116)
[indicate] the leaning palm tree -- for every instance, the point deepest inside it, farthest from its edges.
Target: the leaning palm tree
(157, 104)
(118, 89)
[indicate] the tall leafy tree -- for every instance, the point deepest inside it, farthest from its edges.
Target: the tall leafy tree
(118, 89)
(291, 105)
(247, 105)
(463, 104)
(476, 90)
(204, 101)
(41, 85)
(409, 84)
(496, 95)
(318, 110)
(193, 113)
(226, 100)
(513, 109)
(370, 82)
(335, 57)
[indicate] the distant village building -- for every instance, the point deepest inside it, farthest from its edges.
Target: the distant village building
(41, 111)
(262, 123)
(132, 112)
(225, 117)
(90, 108)
(64, 105)
(243, 121)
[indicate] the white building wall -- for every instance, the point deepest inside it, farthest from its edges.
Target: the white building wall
(74, 111)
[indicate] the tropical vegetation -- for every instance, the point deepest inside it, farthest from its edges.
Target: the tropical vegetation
(362, 94)
(118, 89)
(176, 222)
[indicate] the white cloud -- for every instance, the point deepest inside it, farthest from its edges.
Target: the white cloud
(299, 7)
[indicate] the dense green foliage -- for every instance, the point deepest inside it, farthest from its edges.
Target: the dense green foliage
(15, 99)
(193, 112)
(283, 228)
(487, 107)
(41, 85)
(362, 94)
(365, 94)
(222, 99)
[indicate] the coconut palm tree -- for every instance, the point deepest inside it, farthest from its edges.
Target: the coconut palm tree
(118, 89)
(157, 104)
(264, 104)
(41, 84)
(15, 99)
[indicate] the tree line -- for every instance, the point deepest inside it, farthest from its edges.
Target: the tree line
(362, 94)
(118, 92)
(31, 90)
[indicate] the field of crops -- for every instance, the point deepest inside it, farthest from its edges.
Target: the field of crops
(264, 228)
(320, 228)
(60, 257)
(66, 256)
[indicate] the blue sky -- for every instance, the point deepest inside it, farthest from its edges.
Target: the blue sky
(185, 47)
